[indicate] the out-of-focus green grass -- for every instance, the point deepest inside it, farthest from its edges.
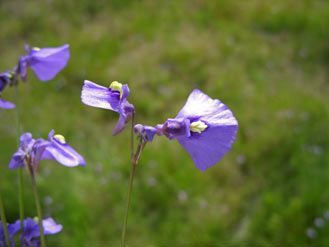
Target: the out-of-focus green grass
(266, 60)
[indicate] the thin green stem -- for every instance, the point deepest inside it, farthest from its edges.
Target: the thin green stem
(20, 170)
(130, 186)
(125, 218)
(4, 222)
(37, 202)
(132, 136)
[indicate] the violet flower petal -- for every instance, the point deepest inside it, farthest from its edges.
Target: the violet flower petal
(62, 153)
(125, 110)
(99, 96)
(23, 64)
(12, 229)
(149, 132)
(47, 62)
(6, 104)
(208, 147)
(26, 140)
(51, 227)
(17, 160)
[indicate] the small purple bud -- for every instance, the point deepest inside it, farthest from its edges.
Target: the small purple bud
(147, 132)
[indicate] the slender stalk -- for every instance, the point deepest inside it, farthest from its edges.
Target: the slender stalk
(20, 170)
(37, 202)
(131, 180)
(125, 218)
(132, 136)
(4, 222)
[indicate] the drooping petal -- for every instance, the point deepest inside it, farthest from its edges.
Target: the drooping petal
(6, 104)
(99, 96)
(62, 153)
(17, 160)
(47, 62)
(126, 109)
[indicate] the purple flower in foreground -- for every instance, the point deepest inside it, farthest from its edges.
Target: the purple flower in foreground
(205, 127)
(30, 232)
(112, 98)
(45, 62)
(12, 229)
(4, 81)
(31, 151)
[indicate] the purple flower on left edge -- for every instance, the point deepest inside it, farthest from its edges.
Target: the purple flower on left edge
(45, 62)
(30, 232)
(205, 127)
(5, 79)
(32, 151)
(112, 98)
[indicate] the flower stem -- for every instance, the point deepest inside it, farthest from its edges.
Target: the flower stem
(4, 222)
(20, 170)
(134, 162)
(125, 218)
(37, 202)
(131, 180)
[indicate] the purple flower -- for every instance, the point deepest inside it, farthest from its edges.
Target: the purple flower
(12, 229)
(30, 232)
(45, 62)
(4, 81)
(112, 98)
(31, 151)
(205, 127)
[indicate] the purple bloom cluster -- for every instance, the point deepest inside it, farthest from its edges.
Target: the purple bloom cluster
(31, 151)
(45, 62)
(31, 232)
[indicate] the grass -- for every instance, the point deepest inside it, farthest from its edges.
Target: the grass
(267, 61)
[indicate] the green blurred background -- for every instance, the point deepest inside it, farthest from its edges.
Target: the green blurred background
(266, 60)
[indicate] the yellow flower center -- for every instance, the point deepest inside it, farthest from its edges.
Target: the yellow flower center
(60, 138)
(36, 219)
(198, 126)
(36, 48)
(116, 86)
